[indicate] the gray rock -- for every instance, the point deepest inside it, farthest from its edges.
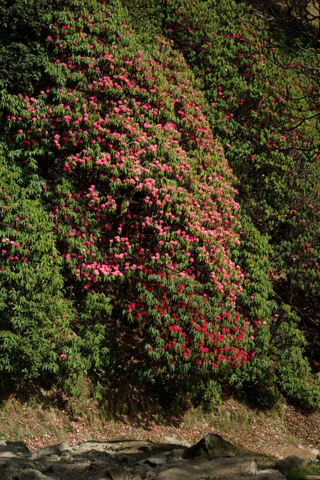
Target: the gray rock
(145, 448)
(30, 474)
(47, 451)
(176, 454)
(144, 471)
(17, 464)
(291, 465)
(117, 473)
(251, 468)
(312, 477)
(4, 463)
(6, 476)
(157, 460)
(176, 473)
(93, 446)
(100, 476)
(8, 454)
(150, 475)
(211, 458)
(67, 468)
(176, 441)
(212, 446)
(270, 474)
(292, 461)
(63, 447)
(18, 447)
(125, 460)
(225, 467)
(49, 458)
(100, 464)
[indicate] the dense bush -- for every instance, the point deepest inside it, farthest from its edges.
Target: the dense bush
(257, 113)
(143, 202)
(156, 268)
(259, 109)
(23, 28)
(36, 340)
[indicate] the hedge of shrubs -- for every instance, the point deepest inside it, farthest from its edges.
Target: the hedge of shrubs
(138, 254)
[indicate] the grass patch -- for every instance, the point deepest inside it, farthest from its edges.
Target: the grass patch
(313, 468)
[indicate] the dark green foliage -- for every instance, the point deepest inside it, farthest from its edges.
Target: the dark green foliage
(23, 29)
(36, 339)
(292, 367)
(94, 311)
(212, 395)
(259, 105)
(123, 248)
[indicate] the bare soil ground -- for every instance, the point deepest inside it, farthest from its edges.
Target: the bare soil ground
(283, 433)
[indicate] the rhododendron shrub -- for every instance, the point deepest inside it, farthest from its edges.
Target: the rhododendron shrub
(36, 339)
(141, 194)
(256, 112)
(253, 106)
(158, 272)
(262, 114)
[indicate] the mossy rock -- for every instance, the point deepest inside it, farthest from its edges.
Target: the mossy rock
(213, 446)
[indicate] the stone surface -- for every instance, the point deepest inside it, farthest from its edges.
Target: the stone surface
(285, 465)
(13, 449)
(63, 447)
(6, 476)
(177, 473)
(7, 454)
(18, 447)
(176, 454)
(270, 474)
(176, 441)
(213, 458)
(251, 468)
(30, 474)
(60, 468)
(212, 445)
(157, 460)
(48, 451)
(117, 473)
